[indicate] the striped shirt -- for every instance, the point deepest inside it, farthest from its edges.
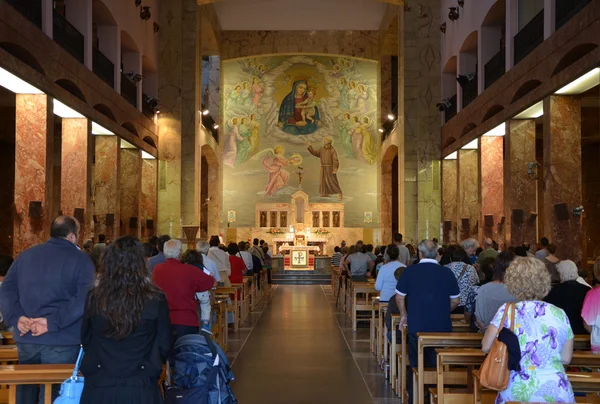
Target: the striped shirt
(336, 258)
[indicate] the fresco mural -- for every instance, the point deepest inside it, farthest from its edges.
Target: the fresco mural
(300, 122)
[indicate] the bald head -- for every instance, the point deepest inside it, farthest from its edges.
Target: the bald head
(66, 227)
(487, 242)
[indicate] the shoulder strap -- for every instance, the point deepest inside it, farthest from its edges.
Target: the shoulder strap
(78, 363)
(240, 255)
(506, 308)
(462, 273)
(512, 320)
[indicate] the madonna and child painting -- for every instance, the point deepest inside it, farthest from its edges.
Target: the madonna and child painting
(284, 111)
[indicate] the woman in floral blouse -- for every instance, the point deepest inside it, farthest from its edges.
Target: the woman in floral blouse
(544, 333)
(457, 260)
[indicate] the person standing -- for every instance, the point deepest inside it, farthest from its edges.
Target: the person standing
(180, 282)
(488, 252)
(99, 248)
(43, 296)
(257, 251)
(432, 293)
(360, 264)
(403, 252)
(336, 257)
(209, 264)
(329, 167)
(160, 257)
(221, 258)
(124, 339)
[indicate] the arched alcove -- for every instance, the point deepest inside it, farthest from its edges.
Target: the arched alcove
(573, 56)
(496, 109)
(526, 88)
(23, 55)
(106, 111)
(72, 88)
(131, 128)
(150, 141)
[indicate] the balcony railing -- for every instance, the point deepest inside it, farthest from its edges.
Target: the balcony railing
(495, 68)
(128, 90)
(31, 9)
(469, 92)
(530, 37)
(451, 110)
(146, 107)
(104, 68)
(67, 36)
(566, 9)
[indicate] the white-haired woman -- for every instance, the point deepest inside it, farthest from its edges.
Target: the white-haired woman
(569, 294)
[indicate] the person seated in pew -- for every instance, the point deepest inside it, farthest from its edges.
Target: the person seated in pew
(392, 308)
(590, 311)
(494, 294)
(126, 331)
(456, 259)
(569, 295)
(544, 334)
(386, 277)
(426, 294)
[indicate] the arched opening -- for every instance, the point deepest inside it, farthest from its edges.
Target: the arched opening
(106, 111)
(467, 75)
(449, 87)
(496, 109)
(150, 141)
(132, 69)
(71, 88)
(209, 180)
(525, 89)
(390, 213)
(131, 128)
(23, 55)
(493, 38)
(104, 30)
(573, 56)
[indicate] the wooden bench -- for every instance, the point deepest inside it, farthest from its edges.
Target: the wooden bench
(582, 343)
(219, 328)
(437, 340)
(7, 338)
(361, 295)
(381, 333)
(250, 292)
(243, 301)
(466, 357)
(231, 293)
(394, 354)
(14, 375)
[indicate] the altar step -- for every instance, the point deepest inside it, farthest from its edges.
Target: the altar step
(300, 278)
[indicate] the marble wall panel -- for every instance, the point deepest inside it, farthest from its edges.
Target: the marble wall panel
(468, 192)
(76, 170)
(562, 174)
(33, 168)
(492, 186)
(520, 187)
(105, 191)
(149, 197)
(236, 44)
(449, 200)
(131, 190)
(386, 86)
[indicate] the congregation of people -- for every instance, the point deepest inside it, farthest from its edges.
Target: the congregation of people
(125, 302)
(553, 301)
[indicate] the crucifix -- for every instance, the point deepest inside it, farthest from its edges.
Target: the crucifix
(299, 171)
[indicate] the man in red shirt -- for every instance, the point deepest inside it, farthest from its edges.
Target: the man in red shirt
(180, 282)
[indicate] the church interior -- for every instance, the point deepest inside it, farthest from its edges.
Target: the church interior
(307, 125)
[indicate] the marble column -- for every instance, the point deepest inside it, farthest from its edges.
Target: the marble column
(449, 200)
(520, 206)
(34, 131)
(419, 123)
(468, 194)
(131, 192)
(149, 172)
(76, 173)
(385, 65)
(106, 196)
(492, 188)
(562, 175)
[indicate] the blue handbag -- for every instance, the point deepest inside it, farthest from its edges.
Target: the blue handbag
(71, 389)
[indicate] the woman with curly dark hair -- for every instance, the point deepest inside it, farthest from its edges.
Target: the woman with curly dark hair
(125, 331)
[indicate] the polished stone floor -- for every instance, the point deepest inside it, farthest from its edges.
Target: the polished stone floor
(297, 348)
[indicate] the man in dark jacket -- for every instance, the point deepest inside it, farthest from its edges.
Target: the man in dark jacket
(43, 297)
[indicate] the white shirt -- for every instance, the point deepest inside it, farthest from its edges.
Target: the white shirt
(211, 266)
(247, 257)
(221, 258)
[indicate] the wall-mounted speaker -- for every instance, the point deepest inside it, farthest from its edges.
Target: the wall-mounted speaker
(60, 212)
(488, 220)
(95, 218)
(447, 225)
(79, 214)
(517, 216)
(110, 220)
(465, 224)
(562, 211)
(502, 220)
(150, 224)
(532, 217)
(133, 222)
(35, 209)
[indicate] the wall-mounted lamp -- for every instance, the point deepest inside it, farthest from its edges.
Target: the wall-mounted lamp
(443, 27)
(156, 27)
(453, 14)
(578, 211)
(145, 13)
(461, 3)
(381, 130)
(532, 170)
(463, 80)
(135, 78)
(216, 126)
(391, 117)
(444, 105)
(205, 112)
(138, 3)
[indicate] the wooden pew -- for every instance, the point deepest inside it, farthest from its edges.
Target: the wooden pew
(243, 301)
(7, 338)
(251, 292)
(14, 375)
(455, 357)
(233, 306)
(437, 340)
(381, 331)
(582, 343)
(219, 328)
(361, 294)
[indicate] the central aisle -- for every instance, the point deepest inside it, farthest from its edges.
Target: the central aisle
(297, 354)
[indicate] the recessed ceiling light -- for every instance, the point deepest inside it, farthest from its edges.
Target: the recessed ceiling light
(474, 145)
(63, 111)
(100, 130)
(451, 156)
(15, 84)
(535, 111)
(589, 80)
(147, 156)
(499, 130)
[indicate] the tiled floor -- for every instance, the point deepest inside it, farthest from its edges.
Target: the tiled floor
(298, 349)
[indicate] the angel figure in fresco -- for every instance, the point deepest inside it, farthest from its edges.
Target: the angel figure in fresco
(254, 134)
(230, 147)
(352, 94)
(245, 100)
(234, 96)
(343, 88)
(362, 105)
(274, 164)
(257, 90)
(244, 142)
(290, 113)
(346, 129)
(362, 141)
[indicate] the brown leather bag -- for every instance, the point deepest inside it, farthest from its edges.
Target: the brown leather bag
(494, 373)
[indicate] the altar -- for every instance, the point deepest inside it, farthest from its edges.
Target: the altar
(298, 253)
